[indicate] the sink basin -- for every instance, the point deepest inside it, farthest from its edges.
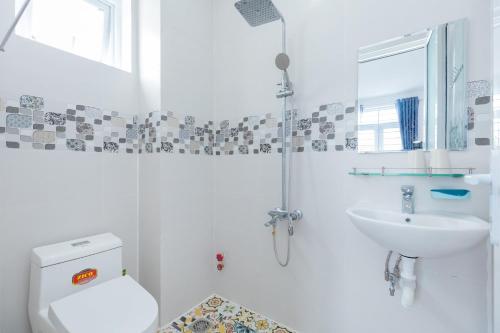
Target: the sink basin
(420, 235)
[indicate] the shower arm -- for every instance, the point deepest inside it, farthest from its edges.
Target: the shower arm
(283, 33)
(13, 26)
(286, 78)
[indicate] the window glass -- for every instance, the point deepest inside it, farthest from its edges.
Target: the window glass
(89, 28)
(76, 26)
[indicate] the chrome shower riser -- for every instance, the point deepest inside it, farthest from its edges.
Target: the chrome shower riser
(256, 13)
(284, 94)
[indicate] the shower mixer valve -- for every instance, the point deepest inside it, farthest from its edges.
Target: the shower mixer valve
(279, 214)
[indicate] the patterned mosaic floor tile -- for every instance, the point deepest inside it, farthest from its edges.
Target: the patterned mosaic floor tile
(223, 316)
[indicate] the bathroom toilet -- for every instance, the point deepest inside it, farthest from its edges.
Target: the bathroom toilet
(79, 286)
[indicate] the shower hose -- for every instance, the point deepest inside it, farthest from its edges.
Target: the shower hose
(287, 259)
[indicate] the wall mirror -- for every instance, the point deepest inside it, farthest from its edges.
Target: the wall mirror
(412, 91)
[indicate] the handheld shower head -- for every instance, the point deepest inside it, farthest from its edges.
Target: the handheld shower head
(282, 61)
(258, 12)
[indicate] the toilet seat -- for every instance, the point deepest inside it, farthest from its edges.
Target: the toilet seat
(119, 305)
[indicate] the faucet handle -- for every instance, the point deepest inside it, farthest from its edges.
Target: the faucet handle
(408, 189)
(271, 223)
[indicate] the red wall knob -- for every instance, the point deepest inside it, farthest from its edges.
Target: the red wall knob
(220, 261)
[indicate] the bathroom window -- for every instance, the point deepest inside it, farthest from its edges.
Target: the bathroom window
(94, 29)
(379, 129)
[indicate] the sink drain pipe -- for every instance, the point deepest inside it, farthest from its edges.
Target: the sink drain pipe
(408, 281)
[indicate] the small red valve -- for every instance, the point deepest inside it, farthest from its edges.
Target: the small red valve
(220, 261)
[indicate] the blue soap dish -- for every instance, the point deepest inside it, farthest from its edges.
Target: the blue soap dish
(450, 194)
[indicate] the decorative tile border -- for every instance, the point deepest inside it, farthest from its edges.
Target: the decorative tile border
(331, 127)
(328, 128)
(223, 316)
(26, 124)
(480, 114)
(169, 133)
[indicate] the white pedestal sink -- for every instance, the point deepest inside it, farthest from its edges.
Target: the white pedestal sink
(418, 236)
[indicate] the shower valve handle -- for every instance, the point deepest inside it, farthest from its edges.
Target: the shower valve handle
(296, 215)
(271, 223)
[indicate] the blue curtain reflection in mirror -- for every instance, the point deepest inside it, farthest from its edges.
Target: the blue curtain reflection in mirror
(408, 121)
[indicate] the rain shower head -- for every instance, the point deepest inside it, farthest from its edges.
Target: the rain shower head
(258, 12)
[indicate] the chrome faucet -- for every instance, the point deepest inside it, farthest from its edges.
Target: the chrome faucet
(408, 203)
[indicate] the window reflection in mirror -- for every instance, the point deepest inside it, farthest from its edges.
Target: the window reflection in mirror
(379, 129)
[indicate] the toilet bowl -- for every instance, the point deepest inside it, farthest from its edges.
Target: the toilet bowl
(119, 305)
(78, 287)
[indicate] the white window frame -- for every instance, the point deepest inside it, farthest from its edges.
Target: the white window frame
(109, 24)
(112, 38)
(379, 128)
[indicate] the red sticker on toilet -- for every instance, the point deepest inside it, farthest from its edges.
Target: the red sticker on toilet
(84, 276)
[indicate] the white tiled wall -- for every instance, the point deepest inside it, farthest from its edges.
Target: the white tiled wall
(58, 196)
(192, 206)
(335, 282)
(177, 211)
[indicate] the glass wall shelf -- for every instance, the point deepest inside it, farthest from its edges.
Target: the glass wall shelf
(412, 172)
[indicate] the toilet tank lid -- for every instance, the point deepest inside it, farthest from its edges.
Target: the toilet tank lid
(83, 247)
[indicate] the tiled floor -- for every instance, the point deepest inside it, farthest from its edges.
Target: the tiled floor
(223, 316)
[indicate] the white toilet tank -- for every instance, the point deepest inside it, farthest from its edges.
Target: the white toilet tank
(62, 269)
